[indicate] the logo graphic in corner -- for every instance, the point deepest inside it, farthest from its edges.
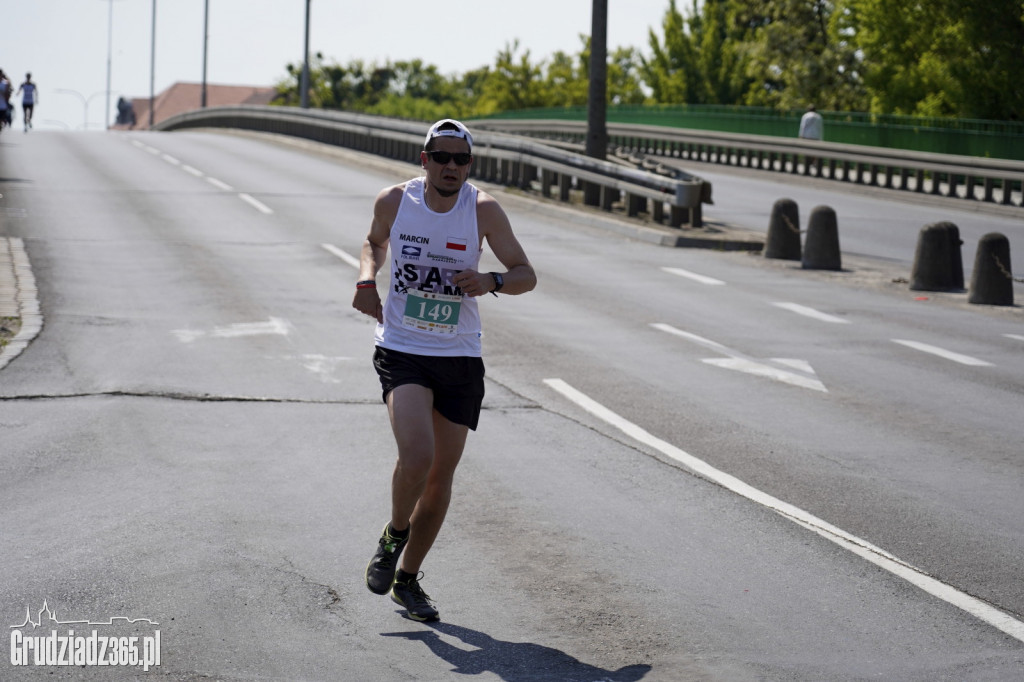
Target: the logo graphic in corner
(455, 244)
(92, 649)
(411, 251)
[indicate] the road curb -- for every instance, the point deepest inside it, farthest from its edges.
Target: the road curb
(19, 297)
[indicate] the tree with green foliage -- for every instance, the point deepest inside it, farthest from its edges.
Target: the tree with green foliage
(625, 79)
(921, 57)
(943, 57)
(672, 71)
(515, 82)
(565, 79)
(720, 57)
(798, 52)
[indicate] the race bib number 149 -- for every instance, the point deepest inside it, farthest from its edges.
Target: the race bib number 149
(430, 312)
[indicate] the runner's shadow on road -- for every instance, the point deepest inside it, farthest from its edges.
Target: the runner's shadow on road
(513, 661)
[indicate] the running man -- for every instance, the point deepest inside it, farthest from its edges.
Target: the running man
(428, 349)
(5, 100)
(28, 99)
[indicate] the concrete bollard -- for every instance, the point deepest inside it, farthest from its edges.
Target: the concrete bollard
(783, 240)
(821, 249)
(937, 262)
(992, 279)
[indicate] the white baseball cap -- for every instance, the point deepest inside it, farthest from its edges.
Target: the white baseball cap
(452, 128)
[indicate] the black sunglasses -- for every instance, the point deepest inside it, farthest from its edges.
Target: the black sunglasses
(461, 158)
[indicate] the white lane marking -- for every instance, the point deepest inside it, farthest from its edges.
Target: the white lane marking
(331, 248)
(255, 203)
(742, 363)
(273, 326)
(219, 185)
(143, 145)
(943, 353)
(1017, 337)
(979, 609)
(703, 279)
(196, 172)
(811, 312)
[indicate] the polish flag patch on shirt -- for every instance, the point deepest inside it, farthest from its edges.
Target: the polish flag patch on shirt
(455, 244)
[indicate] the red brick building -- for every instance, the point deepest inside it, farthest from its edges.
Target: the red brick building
(182, 97)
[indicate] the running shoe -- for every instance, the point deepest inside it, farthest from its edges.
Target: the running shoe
(409, 594)
(380, 573)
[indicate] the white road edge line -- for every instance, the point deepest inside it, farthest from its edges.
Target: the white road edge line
(331, 248)
(703, 279)
(977, 608)
(1016, 337)
(255, 203)
(810, 312)
(192, 171)
(170, 159)
(943, 353)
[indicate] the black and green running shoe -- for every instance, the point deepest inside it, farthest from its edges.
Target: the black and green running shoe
(380, 573)
(408, 593)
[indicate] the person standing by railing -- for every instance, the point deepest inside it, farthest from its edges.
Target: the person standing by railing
(812, 126)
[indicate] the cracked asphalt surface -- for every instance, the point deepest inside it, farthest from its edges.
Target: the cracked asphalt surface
(196, 438)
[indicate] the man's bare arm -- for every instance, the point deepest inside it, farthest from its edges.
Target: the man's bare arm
(375, 250)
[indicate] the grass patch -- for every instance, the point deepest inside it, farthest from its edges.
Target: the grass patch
(9, 328)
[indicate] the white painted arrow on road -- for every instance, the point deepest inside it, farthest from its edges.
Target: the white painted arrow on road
(742, 363)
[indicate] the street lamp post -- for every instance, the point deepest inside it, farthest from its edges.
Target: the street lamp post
(304, 81)
(152, 66)
(206, 43)
(85, 102)
(597, 113)
(110, 53)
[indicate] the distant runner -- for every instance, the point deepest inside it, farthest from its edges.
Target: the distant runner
(28, 99)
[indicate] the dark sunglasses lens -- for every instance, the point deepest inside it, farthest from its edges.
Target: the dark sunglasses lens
(461, 158)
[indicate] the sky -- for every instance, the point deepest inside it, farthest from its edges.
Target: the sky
(64, 43)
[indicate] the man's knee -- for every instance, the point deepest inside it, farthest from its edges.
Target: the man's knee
(414, 463)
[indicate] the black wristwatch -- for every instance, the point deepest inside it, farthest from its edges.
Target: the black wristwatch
(499, 281)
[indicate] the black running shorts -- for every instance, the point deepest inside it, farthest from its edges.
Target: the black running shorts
(457, 383)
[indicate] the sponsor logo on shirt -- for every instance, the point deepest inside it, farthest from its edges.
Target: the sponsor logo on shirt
(411, 251)
(442, 258)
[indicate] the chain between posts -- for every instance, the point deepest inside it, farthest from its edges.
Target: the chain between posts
(1006, 273)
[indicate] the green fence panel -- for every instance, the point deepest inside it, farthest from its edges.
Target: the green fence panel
(967, 137)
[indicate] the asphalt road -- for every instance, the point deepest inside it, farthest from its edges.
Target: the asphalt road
(692, 465)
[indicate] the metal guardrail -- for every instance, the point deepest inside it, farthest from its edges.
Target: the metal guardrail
(499, 157)
(993, 181)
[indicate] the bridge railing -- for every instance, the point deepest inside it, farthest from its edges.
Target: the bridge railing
(674, 196)
(993, 181)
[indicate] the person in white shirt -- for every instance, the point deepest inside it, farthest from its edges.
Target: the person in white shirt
(29, 97)
(812, 127)
(428, 348)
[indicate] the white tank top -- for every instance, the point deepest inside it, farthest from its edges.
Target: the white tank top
(425, 313)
